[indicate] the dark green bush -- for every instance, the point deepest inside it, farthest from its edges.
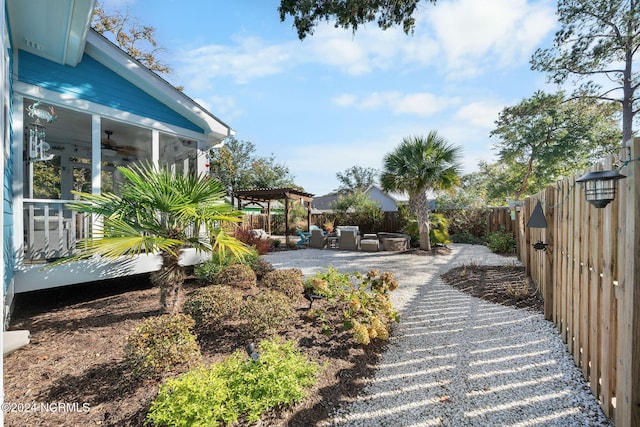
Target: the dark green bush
(235, 389)
(466, 238)
(265, 313)
(211, 306)
(237, 275)
(160, 344)
(501, 242)
(289, 281)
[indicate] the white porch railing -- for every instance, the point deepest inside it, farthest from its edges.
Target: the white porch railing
(50, 230)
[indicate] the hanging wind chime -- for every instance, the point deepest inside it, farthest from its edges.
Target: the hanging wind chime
(38, 147)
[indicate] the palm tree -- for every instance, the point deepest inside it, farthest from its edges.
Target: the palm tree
(159, 212)
(417, 165)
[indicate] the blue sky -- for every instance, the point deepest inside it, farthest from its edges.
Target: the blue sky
(337, 99)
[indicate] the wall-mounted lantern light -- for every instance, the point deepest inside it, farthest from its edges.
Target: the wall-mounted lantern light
(600, 187)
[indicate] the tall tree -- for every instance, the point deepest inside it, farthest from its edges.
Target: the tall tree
(126, 32)
(546, 137)
(356, 178)
(597, 39)
(159, 211)
(350, 13)
(419, 165)
(238, 168)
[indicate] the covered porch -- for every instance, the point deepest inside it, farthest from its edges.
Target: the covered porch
(77, 151)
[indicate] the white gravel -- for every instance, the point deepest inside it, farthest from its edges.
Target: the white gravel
(455, 360)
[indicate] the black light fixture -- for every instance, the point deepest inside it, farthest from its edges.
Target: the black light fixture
(252, 352)
(600, 187)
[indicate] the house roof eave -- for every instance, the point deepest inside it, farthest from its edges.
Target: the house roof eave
(114, 58)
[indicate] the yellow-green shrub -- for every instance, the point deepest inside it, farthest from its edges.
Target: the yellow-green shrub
(236, 388)
(363, 300)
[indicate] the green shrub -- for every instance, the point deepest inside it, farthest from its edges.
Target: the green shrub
(501, 242)
(236, 388)
(211, 306)
(207, 272)
(260, 266)
(289, 281)
(363, 301)
(237, 275)
(160, 344)
(439, 229)
(265, 313)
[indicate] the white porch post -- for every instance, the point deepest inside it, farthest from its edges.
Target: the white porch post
(155, 147)
(96, 155)
(96, 166)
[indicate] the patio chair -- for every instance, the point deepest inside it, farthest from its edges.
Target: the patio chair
(318, 239)
(349, 240)
(304, 237)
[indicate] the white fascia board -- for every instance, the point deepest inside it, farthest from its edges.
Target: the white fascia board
(114, 58)
(78, 28)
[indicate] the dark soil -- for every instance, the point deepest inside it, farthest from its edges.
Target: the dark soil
(78, 335)
(506, 285)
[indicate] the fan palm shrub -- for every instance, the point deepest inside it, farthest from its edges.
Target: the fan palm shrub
(160, 212)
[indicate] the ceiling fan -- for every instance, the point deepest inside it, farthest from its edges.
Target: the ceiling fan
(110, 147)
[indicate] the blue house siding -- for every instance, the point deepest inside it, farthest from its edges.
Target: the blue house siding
(92, 81)
(7, 193)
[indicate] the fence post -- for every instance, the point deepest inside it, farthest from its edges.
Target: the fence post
(628, 372)
(549, 282)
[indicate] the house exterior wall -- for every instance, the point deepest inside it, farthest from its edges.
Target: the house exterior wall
(94, 82)
(386, 203)
(8, 257)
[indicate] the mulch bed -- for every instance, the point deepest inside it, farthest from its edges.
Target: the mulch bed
(506, 285)
(78, 335)
(75, 356)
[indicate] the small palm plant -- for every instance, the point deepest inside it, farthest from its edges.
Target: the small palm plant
(161, 212)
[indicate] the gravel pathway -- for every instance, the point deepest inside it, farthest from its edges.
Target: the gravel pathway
(455, 360)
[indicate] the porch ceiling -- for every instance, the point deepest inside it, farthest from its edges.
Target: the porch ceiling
(53, 29)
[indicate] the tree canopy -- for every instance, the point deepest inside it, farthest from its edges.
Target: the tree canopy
(350, 13)
(238, 167)
(356, 178)
(132, 37)
(546, 137)
(597, 45)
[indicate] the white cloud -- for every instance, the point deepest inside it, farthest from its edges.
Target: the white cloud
(480, 114)
(344, 100)
(249, 58)
(419, 103)
(477, 32)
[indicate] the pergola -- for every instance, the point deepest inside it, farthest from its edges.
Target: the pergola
(266, 195)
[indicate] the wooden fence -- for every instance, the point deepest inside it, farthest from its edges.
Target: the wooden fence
(589, 279)
(389, 223)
